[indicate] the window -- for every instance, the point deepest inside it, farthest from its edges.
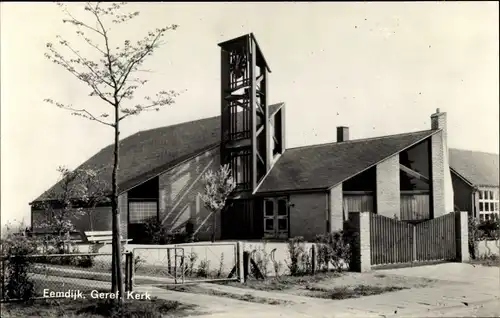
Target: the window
(140, 212)
(488, 204)
(269, 208)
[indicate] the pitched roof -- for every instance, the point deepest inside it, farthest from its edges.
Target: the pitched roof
(150, 152)
(479, 168)
(323, 166)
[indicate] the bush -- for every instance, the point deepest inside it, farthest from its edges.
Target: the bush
(18, 284)
(474, 237)
(156, 233)
(262, 259)
(480, 231)
(334, 249)
(203, 269)
(189, 262)
(300, 260)
(489, 229)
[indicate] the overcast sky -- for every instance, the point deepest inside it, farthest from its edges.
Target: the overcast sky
(379, 68)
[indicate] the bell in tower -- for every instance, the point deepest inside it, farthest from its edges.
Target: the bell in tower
(244, 112)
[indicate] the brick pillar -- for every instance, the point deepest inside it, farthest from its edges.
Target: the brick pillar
(462, 236)
(361, 257)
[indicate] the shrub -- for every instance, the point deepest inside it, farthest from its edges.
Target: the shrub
(138, 262)
(489, 229)
(188, 264)
(155, 232)
(262, 259)
(334, 249)
(474, 237)
(221, 266)
(203, 269)
(18, 284)
(300, 259)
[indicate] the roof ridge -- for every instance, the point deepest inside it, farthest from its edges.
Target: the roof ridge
(173, 125)
(362, 139)
(476, 151)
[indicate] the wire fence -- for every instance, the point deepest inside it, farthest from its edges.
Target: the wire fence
(187, 263)
(59, 275)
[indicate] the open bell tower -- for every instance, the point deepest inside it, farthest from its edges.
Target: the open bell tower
(244, 112)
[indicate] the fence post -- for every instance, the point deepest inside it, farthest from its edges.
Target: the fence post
(239, 262)
(462, 236)
(126, 271)
(169, 269)
(313, 259)
(246, 265)
(129, 263)
(414, 244)
(361, 250)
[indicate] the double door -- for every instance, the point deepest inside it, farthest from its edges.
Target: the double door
(276, 218)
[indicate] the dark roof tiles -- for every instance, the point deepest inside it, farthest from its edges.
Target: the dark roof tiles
(323, 166)
(479, 168)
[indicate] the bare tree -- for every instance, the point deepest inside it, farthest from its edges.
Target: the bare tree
(113, 77)
(218, 186)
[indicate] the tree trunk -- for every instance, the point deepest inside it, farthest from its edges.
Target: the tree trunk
(117, 279)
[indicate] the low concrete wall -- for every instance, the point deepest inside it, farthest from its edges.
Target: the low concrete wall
(217, 256)
(487, 248)
(156, 255)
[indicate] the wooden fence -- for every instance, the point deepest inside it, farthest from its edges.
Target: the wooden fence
(391, 241)
(435, 239)
(396, 242)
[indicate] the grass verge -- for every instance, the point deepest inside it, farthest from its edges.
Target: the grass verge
(346, 292)
(207, 291)
(92, 308)
(283, 282)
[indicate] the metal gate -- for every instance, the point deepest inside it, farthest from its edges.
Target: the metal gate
(400, 242)
(179, 264)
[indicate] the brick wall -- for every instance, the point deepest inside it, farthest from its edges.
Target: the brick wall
(308, 214)
(361, 254)
(179, 199)
(388, 194)
(438, 171)
(336, 209)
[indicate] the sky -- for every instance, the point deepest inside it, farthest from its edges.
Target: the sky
(379, 68)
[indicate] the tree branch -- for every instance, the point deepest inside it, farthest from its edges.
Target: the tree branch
(129, 68)
(81, 112)
(108, 52)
